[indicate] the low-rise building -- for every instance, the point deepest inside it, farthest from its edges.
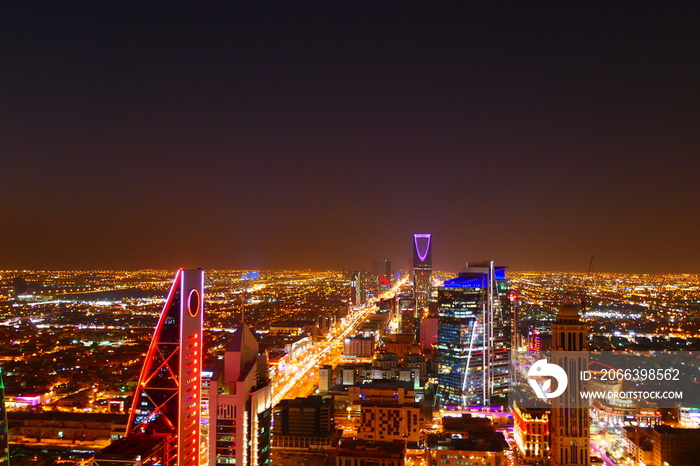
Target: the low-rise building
(623, 412)
(689, 417)
(638, 445)
(136, 450)
(368, 453)
(54, 427)
(467, 440)
(359, 346)
(663, 445)
(676, 446)
(389, 422)
(482, 451)
(531, 432)
(382, 392)
(305, 423)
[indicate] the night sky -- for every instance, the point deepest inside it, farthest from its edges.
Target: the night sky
(318, 135)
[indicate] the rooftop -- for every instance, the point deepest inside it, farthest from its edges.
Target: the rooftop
(139, 444)
(367, 448)
(664, 429)
(308, 402)
(62, 416)
(493, 442)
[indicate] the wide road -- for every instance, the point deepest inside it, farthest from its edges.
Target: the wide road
(606, 459)
(300, 377)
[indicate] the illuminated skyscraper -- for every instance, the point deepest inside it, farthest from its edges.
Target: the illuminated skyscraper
(570, 426)
(474, 336)
(240, 405)
(167, 397)
(4, 444)
(356, 291)
(422, 269)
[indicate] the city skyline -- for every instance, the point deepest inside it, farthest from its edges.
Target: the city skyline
(319, 135)
(312, 373)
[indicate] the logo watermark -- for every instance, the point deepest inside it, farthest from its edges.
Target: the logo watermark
(609, 380)
(541, 369)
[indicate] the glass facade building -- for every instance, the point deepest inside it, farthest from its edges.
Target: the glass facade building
(474, 331)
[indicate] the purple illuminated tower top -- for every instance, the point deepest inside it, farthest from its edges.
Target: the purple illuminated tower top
(422, 269)
(421, 250)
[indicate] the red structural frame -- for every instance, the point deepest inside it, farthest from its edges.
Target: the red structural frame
(149, 371)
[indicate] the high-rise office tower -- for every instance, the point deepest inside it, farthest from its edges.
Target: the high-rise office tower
(356, 294)
(240, 405)
(407, 315)
(422, 269)
(474, 324)
(325, 379)
(382, 267)
(570, 425)
(167, 397)
(4, 443)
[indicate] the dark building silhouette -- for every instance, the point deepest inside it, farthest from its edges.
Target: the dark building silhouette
(135, 450)
(304, 423)
(19, 286)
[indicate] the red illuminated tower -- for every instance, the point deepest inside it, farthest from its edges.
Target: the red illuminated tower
(167, 398)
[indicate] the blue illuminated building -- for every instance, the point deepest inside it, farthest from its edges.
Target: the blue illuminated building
(474, 324)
